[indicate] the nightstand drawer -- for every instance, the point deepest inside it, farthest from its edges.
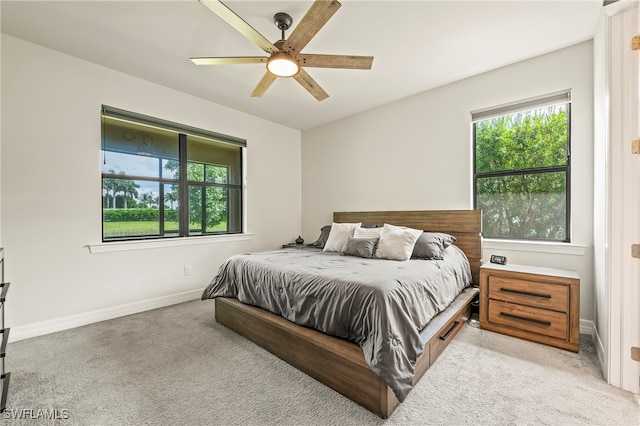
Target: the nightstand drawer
(535, 320)
(529, 293)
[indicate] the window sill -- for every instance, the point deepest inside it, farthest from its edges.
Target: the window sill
(169, 242)
(535, 246)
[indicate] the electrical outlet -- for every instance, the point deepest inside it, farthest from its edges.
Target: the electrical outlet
(187, 269)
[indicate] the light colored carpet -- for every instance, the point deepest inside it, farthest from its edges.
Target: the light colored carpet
(177, 366)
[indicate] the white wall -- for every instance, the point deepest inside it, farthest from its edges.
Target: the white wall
(602, 185)
(51, 189)
(0, 134)
(416, 153)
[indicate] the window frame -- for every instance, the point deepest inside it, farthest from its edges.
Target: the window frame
(559, 98)
(182, 133)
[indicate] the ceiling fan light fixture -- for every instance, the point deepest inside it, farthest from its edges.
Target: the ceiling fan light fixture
(283, 65)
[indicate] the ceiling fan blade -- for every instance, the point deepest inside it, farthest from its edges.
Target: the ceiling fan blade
(229, 60)
(263, 85)
(239, 24)
(335, 61)
(315, 18)
(310, 84)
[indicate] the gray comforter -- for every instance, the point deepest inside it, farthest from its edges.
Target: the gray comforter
(381, 305)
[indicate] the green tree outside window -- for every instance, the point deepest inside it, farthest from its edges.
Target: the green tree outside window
(522, 174)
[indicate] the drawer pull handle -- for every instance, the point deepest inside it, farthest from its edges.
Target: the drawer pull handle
(519, 318)
(453, 326)
(3, 293)
(5, 339)
(525, 293)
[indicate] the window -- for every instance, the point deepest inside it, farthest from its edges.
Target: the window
(522, 169)
(161, 179)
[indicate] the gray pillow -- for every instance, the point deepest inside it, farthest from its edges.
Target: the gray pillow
(361, 247)
(322, 239)
(326, 230)
(430, 245)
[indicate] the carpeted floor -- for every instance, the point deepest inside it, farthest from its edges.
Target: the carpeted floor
(177, 366)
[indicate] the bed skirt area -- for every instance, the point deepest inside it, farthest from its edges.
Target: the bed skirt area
(336, 362)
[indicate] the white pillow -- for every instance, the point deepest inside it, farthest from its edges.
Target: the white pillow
(339, 235)
(396, 242)
(361, 232)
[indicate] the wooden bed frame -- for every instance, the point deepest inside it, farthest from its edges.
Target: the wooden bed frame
(339, 363)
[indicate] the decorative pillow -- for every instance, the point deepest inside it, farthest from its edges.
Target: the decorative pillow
(322, 239)
(340, 233)
(430, 245)
(396, 242)
(361, 247)
(367, 232)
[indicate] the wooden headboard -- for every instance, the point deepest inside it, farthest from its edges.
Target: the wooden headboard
(465, 225)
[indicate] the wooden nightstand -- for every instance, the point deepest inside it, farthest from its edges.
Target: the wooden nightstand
(537, 304)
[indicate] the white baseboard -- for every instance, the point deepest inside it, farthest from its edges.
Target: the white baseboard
(600, 351)
(587, 327)
(51, 326)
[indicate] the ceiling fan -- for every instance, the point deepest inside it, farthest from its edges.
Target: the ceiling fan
(285, 55)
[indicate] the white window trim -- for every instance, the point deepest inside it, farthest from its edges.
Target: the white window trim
(115, 246)
(535, 246)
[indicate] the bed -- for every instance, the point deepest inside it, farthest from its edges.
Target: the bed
(374, 368)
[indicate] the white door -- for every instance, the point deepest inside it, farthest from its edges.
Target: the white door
(630, 312)
(624, 282)
(634, 338)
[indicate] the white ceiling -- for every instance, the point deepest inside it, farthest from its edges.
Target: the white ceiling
(417, 45)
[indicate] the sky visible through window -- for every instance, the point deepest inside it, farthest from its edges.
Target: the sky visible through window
(134, 165)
